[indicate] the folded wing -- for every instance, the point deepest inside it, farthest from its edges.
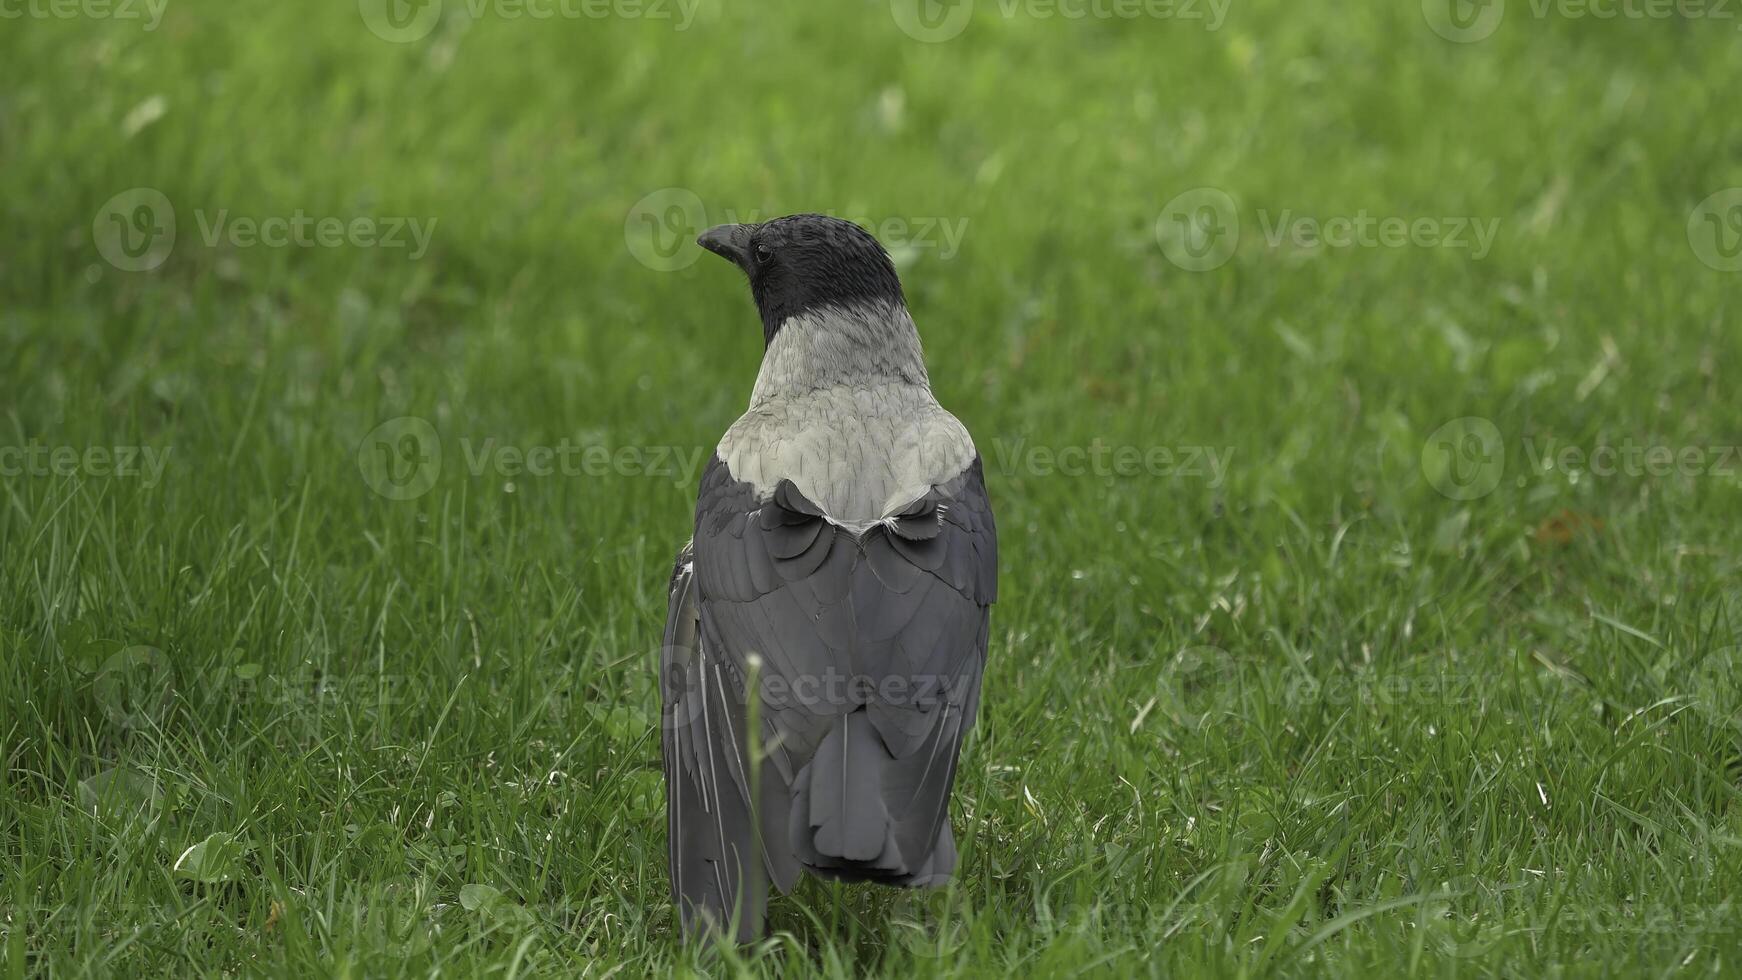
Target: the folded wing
(866, 647)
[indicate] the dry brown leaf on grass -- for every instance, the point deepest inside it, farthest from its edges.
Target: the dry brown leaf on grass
(1563, 527)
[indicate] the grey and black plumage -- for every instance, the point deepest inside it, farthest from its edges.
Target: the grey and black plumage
(844, 557)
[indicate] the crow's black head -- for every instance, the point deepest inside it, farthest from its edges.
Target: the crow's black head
(804, 263)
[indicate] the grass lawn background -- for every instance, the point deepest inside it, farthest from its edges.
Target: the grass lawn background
(1311, 714)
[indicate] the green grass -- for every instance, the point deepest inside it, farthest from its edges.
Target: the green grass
(1310, 717)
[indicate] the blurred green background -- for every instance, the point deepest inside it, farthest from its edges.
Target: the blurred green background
(335, 686)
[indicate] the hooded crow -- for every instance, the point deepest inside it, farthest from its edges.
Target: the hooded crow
(828, 620)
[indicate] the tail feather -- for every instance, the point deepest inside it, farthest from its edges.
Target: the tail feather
(843, 823)
(848, 814)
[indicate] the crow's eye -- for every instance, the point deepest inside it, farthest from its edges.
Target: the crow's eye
(764, 253)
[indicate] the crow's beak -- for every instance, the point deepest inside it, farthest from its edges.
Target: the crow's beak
(727, 241)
